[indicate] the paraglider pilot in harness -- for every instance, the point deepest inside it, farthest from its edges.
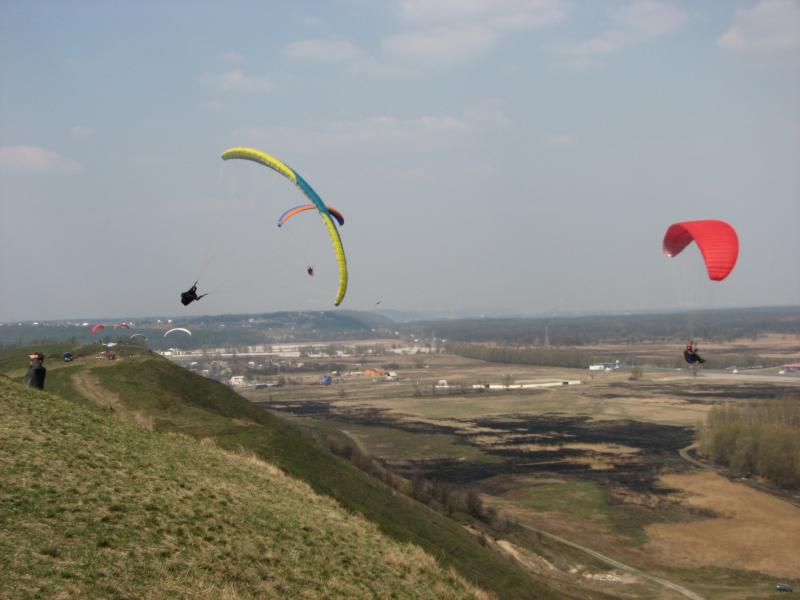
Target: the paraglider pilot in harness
(310, 270)
(190, 295)
(691, 356)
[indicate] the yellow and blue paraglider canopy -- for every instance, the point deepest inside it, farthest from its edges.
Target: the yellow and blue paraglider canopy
(327, 217)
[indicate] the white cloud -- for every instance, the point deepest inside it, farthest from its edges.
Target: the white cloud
(559, 139)
(373, 67)
(81, 131)
(496, 14)
(631, 24)
(424, 130)
(237, 81)
(441, 45)
(393, 129)
(768, 25)
(32, 159)
(451, 30)
(649, 18)
(378, 129)
(484, 117)
(321, 50)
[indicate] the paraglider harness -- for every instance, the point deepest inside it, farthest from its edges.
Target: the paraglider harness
(190, 295)
(691, 356)
(310, 270)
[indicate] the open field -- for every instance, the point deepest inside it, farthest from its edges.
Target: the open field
(750, 530)
(597, 462)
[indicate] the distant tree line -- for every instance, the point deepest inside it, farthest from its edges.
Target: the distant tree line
(545, 357)
(756, 439)
(716, 325)
(581, 359)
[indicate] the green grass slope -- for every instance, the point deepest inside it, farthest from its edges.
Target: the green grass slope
(168, 398)
(92, 506)
(180, 401)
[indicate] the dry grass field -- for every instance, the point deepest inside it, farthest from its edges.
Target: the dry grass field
(595, 462)
(751, 530)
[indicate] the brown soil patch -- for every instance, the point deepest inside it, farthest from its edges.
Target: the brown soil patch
(617, 449)
(528, 559)
(527, 447)
(90, 388)
(754, 531)
(595, 464)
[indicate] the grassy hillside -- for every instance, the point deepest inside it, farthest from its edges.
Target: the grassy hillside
(167, 398)
(92, 506)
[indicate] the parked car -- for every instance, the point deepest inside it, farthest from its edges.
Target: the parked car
(68, 357)
(782, 587)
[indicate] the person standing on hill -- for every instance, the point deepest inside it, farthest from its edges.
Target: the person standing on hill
(36, 372)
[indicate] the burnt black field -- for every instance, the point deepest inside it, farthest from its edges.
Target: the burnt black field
(658, 449)
(712, 393)
(657, 445)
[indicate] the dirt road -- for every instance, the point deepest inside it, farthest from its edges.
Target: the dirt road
(671, 585)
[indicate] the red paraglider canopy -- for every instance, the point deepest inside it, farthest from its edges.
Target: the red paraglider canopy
(716, 239)
(97, 327)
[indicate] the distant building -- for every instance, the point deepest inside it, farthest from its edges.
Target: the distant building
(391, 376)
(607, 366)
(237, 381)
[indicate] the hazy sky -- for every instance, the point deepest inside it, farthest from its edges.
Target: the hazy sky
(507, 155)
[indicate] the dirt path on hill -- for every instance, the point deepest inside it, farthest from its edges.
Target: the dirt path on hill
(92, 390)
(671, 585)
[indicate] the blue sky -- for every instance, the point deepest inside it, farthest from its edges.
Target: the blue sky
(502, 156)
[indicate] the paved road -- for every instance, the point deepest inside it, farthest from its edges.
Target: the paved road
(617, 564)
